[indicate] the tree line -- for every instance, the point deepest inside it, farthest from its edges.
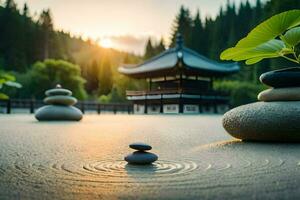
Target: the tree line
(27, 43)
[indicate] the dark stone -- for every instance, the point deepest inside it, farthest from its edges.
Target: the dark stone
(141, 158)
(58, 113)
(58, 91)
(140, 146)
(60, 100)
(289, 77)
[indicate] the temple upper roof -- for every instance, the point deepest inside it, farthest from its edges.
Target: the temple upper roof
(179, 58)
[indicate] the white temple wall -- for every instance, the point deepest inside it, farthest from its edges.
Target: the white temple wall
(222, 108)
(153, 109)
(190, 109)
(174, 109)
(208, 109)
(138, 109)
(171, 108)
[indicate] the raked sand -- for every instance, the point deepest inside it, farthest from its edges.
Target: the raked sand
(84, 160)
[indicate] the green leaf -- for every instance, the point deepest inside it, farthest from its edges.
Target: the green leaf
(270, 49)
(271, 28)
(252, 61)
(7, 76)
(292, 36)
(3, 96)
(2, 81)
(13, 84)
(263, 33)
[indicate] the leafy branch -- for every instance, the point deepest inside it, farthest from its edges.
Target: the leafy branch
(7, 80)
(278, 36)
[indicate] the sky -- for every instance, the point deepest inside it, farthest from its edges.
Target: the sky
(122, 24)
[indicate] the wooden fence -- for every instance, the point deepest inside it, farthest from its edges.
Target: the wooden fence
(84, 106)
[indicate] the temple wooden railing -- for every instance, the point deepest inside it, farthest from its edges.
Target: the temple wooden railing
(176, 91)
(6, 106)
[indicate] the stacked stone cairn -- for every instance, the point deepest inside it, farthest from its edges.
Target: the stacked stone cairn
(60, 106)
(141, 157)
(276, 117)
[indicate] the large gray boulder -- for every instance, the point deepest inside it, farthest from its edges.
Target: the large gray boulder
(58, 113)
(265, 121)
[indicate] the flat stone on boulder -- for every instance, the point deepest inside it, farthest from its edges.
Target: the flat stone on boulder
(265, 121)
(60, 100)
(140, 146)
(58, 91)
(58, 113)
(289, 77)
(141, 158)
(280, 94)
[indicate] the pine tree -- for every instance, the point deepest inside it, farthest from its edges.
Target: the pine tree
(207, 31)
(197, 35)
(106, 78)
(150, 51)
(183, 25)
(10, 38)
(160, 47)
(92, 76)
(11, 5)
(230, 22)
(257, 14)
(245, 15)
(25, 12)
(216, 31)
(45, 22)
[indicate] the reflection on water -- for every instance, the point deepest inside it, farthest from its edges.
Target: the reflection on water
(85, 160)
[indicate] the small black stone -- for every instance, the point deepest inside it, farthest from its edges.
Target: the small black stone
(140, 146)
(289, 77)
(141, 158)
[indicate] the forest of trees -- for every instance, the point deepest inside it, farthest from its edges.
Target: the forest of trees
(25, 40)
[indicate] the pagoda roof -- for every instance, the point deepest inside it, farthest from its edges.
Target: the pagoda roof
(180, 57)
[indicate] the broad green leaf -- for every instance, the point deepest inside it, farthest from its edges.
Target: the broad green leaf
(264, 32)
(270, 49)
(3, 96)
(271, 28)
(13, 84)
(2, 80)
(254, 60)
(292, 36)
(7, 76)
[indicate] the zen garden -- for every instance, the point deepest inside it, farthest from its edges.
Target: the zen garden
(153, 99)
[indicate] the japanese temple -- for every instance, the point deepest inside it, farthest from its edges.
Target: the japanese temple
(180, 81)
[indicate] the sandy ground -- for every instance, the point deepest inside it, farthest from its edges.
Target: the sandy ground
(84, 160)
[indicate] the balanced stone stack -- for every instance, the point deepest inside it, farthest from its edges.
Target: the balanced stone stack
(60, 106)
(276, 117)
(141, 157)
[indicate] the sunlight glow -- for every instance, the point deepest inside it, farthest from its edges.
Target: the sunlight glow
(106, 43)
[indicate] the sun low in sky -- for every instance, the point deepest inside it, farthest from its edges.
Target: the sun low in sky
(106, 43)
(121, 24)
